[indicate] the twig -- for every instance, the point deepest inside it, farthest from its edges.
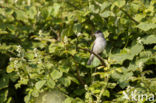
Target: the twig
(78, 76)
(44, 39)
(72, 5)
(100, 95)
(78, 73)
(100, 58)
(129, 16)
(58, 35)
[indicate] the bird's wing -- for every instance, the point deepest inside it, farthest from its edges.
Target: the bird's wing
(93, 45)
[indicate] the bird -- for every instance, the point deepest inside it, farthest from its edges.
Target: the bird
(98, 46)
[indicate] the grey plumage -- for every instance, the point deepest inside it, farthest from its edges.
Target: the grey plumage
(98, 46)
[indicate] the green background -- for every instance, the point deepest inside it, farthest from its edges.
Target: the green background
(40, 51)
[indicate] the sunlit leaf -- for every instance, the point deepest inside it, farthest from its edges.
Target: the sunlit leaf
(146, 26)
(120, 3)
(56, 74)
(40, 84)
(150, 39)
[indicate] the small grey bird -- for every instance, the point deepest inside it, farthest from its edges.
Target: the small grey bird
(98, 46)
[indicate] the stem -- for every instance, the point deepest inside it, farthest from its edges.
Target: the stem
(100, 95)
(78, 76)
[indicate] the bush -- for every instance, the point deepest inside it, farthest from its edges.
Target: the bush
(43, 46)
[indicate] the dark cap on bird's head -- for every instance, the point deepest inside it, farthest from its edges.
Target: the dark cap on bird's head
(98, 33)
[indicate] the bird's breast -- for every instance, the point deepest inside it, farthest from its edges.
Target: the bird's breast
(99, 45)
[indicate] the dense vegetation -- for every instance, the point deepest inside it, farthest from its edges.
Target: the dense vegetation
(44, 46)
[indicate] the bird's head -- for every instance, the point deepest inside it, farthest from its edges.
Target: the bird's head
(98, 34)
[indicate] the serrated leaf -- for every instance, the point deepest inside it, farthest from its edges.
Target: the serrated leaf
(120, 3)
(40, 84)
(51, 83)
(56, 74)
(136, 49)
(66, 81)
(105, 5)
(106, 93)
(129, 54)
(150, 39)
(106, 14)
(139, 17)
(146, 26)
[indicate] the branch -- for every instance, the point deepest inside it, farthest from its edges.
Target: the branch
(44, 39)
(129, 16)
(78, 73)
(58, 35)
(99, 57)
(72, 5)
(100, 95)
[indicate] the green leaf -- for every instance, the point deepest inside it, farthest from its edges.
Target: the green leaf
(35, 93)
(96, 62)
(73, 79)
(3, 96)
(105, 5)
(139, 17)
(21, 15)
(65, 81)
(150, 39)
(56, 74)
(77, 28)
(136, 49)
(129, 54)
(68, 100)
(146, 26)
(31, 12)
(111, 85)
(10, 68)
(120, 3)
(106, 14)
(124, 79)
(106, 93)
(79, 91)
(51, 83)
(154, 48)
(40, 84)
(56, 8)
(4, 81)
(106, 34)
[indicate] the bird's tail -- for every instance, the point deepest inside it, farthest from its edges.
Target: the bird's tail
(90, 59)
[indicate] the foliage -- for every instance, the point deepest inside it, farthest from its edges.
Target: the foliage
(39, 49)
